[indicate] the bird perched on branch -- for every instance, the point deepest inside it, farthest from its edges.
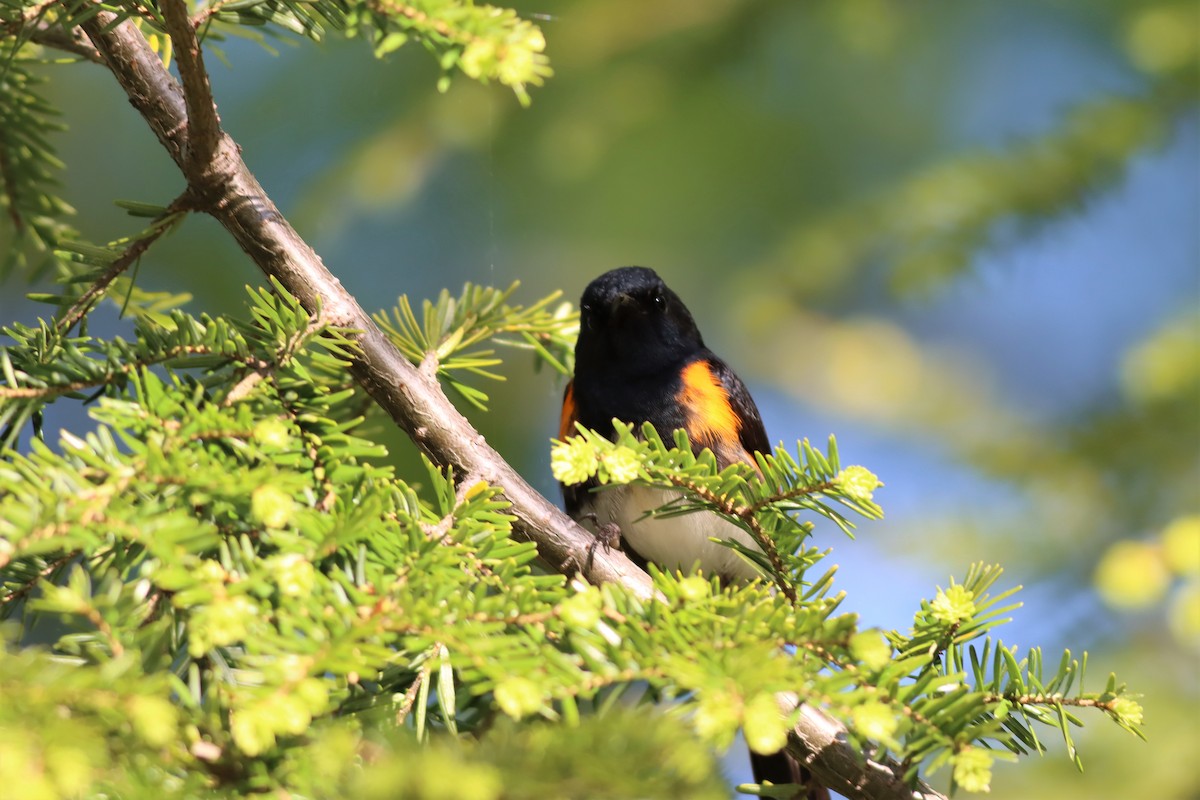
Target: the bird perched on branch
(640, 358)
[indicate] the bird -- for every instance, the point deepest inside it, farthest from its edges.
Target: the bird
(640, 358)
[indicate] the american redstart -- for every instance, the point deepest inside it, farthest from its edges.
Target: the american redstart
(640, 358)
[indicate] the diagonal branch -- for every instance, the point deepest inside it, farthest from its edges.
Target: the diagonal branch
(132, 253)
(233, 196)
(415, 401)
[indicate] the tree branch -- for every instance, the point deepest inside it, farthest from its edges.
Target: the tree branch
(819, 742)
(414, 400)
(204, 127)
(51, 35)
(132, 253)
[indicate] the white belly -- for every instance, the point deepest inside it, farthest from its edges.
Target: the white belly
(675, 543)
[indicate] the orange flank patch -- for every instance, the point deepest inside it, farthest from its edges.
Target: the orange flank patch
(710, 417)
(566, 424)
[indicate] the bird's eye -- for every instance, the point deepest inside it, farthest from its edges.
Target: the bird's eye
(659, 300)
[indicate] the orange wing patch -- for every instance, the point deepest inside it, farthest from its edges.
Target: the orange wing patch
(566, 423)
(710, 417)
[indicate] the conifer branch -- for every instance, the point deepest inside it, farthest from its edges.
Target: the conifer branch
(202, 16)
(233, 196)
(123, 371)
(204, 127)
(15, 593)
(746, 515)
(414, 400)
(49, 34)
(818, 743)
(791, 494)
(128, 257)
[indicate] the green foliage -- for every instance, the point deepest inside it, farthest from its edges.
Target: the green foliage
(32, 211)
(221, 588)
(229, 549)
(484, 42)
(447, 336)
(763, 499)
(932, 696)
(71, 731)
(67, 731)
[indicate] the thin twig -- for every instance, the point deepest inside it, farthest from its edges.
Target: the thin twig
(204, 127)
(128, 257)
(410, 697)
(202, 16)
(746, 515)
(1050, 700)
(260, 372)
(50, 35)
(25, 588)
(126, 368)
(30, 26)
(799, 491)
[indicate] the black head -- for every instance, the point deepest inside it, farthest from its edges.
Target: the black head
(631, 323)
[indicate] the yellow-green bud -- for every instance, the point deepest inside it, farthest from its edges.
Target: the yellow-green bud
(69, 767)
(211, 571)
(290, 714)
(872, 649)
(478, 58)
(620, 465)
(223, 622)
(572, 462)
(973, 769)
(953, 605)
(859, 483)
(1127, 712)
(154, 720)
(518, 697)
(251, 729)
(874, 721)
(715, 718)
(763, 725)
(272, 434)
(293, 574)
(271, 506)
(694, 587)
(581, 610)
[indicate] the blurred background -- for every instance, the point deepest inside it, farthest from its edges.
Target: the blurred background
(963, 237)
